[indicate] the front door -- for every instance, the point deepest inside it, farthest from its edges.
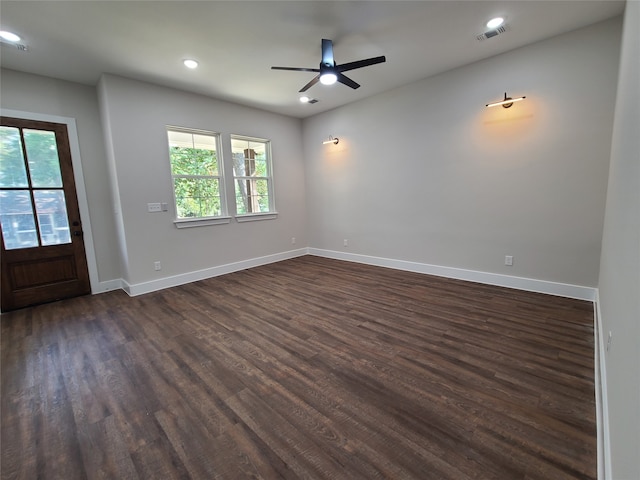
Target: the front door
(43, 256)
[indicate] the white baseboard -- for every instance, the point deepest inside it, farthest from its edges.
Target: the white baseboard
(174, 281)
(602, 405)
(518, 283)
(107, 286)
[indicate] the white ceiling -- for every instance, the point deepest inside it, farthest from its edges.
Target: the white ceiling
(236, 42)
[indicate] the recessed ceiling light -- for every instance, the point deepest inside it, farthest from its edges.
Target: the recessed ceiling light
(9, 36)
(495, 22)
(304, 99)
(190, 63)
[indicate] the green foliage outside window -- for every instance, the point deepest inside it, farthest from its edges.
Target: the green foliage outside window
(196, 182)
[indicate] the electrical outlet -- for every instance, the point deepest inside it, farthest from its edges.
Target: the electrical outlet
(346, 242)
(609, 341)
(293, 240)
(154, 207)
(508, 260)
(157, 266)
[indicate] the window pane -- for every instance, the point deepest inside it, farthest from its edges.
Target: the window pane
(193, 161)
(16, 217)
(241, 197)
(260, 167)
(52, 217)
(193, 153)
(196, 197)
(12, 169)
(42, 156)
(252, 196)
(261, 195)
(192, 140)
(238, 164)
(249, 158)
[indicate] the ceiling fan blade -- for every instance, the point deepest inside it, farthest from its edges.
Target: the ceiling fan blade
(315, 80)
(327, 53)
(360, 63)
(296, 69)
(347, 81)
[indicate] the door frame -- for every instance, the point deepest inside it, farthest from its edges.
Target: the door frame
(81, 192)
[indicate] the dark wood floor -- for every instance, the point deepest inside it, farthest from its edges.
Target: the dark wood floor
(304, 369)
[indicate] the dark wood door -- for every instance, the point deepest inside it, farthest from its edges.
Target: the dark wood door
(43, 255)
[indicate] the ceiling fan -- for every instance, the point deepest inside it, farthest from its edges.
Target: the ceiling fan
(330, 73)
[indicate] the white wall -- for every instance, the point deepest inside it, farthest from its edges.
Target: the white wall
(619, 283)
(136, 115)
(41, 95)
(427, 174)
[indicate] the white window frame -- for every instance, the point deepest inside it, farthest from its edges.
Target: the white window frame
(252, 216)
(209, 220)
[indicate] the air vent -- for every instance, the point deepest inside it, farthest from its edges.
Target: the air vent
(492, 33)
(313, 100)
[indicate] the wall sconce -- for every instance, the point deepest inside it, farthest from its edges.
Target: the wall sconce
(331, 140)
(506, 103)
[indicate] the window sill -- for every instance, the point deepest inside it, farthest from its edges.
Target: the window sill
(252, 217)
(200, 222)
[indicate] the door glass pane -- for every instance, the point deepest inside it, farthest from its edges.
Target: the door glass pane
(12, 169)
(42, 155)
(52, 217)
(16, 218)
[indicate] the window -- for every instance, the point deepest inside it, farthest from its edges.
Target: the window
(33, 210)
(196, 171)
(252, 176)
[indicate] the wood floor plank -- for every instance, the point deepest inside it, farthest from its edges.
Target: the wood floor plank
(308, 368)
(105, 451)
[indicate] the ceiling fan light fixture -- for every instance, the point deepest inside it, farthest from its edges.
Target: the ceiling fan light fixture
(328, 78)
